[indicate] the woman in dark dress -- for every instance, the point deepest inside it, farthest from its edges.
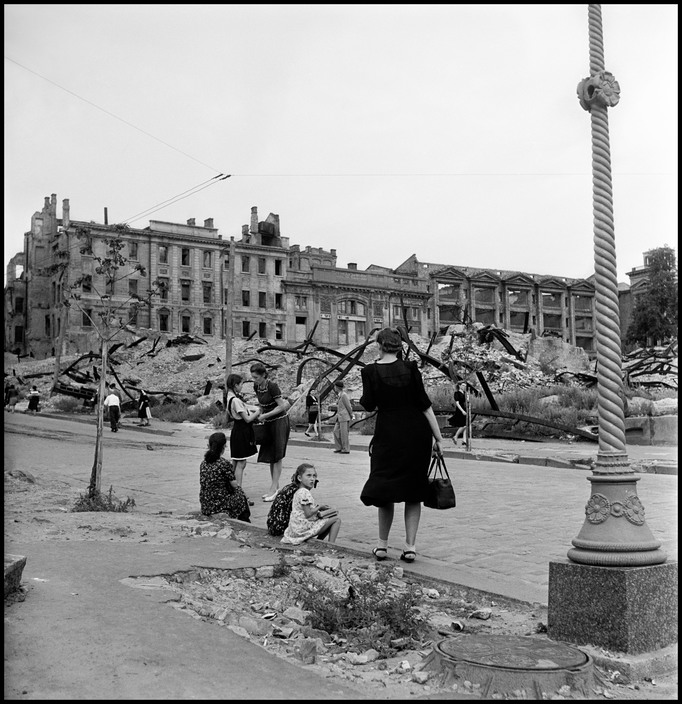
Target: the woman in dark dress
(458, 419)
(274, 407)
(403, 441)
(218, 489)
(143, 412)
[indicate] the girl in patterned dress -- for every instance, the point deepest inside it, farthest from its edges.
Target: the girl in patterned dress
(308, 518)
(219, 491)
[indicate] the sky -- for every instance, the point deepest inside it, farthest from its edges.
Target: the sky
(452, 132)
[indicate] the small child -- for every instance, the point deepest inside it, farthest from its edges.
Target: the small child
(309, 519)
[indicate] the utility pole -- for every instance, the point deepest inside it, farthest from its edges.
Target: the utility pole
(229, 306)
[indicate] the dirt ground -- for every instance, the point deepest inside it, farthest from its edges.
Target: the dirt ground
(39, 509)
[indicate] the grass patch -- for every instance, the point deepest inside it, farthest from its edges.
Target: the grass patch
(66, 404)
(371, 614)
(102, 502)
(179, 412)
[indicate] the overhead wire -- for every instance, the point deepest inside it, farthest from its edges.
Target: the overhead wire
(111, 114)
(181, 196)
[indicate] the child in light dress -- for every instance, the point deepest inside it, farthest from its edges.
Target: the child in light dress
(308, 518)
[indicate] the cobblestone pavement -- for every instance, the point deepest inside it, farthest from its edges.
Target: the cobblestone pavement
(511, 519)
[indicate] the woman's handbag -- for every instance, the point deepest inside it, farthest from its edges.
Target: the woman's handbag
(440, 493)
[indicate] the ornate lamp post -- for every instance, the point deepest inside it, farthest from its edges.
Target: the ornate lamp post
(592, 600)
(615, 531)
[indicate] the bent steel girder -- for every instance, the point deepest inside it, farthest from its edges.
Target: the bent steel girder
(299, 371)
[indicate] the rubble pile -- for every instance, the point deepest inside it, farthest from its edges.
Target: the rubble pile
(260, 604)
(653, 367)
(191, 369)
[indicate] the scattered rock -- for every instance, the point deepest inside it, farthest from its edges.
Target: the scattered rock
(295, 614)
(483, 614)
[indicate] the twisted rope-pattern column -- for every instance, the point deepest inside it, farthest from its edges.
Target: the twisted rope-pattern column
(596, 39)
(596, 94)
(609, 359)
(605, 539)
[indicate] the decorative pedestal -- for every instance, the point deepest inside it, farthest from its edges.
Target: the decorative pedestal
(627, 609)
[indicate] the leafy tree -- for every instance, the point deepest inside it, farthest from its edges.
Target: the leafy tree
(654, 318)
(107, 322)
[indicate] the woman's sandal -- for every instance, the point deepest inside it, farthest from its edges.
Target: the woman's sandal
(379, 557)
(408, 556)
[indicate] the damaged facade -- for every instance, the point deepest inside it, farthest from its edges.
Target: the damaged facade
(279, 293)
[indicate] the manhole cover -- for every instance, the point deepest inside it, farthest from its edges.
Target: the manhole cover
(512, 652)
(529, 668)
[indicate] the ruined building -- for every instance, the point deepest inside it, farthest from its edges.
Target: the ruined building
(279, 291)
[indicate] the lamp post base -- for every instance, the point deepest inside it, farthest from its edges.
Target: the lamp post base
(627, 609)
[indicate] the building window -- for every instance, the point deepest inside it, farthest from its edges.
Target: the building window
(184, 256)
(583, 323)
(278, 267)
(132, 315)
(184, 290)
(484, 295)
(448, 292)
(163, 322)
(207, 260)
(185, 323)
(19, 334)
(48, 327)
(246, 328)
(360, 328)
(226, 262)
(87, 284)
(246, 298)
(163, 288)
(396, 311)
(518, 297)
(132, 251)
(518, 320)
(551, 300)
(550, 320)
(87, 318)
(262, 330)
(208, 326)
(132, 287)
(378, 309)
(208, 292)
(261, 265)
(585, 343)
(19, 305)
(485, 316)
(325, 304)
(245, 264)
(300, 320)
(226, 296)
(261, 299)
(583, 303)
(163, 254)
(279, 331)
(278, 301)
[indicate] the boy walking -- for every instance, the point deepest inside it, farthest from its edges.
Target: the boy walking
(344, 415)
